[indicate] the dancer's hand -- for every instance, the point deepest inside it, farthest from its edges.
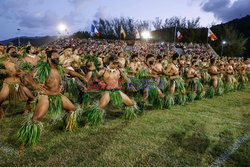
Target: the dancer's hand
(41, 89)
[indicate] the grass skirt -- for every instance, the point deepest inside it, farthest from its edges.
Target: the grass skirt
(131, 112)
(16, 93)
(116, 98)
(29, 133)
(180, 86)
(219, 90)
(71, 122)
(191, 96)
(181, 97)
(169, 101)
(72, 89)
(85, 99)
(55, 107)
(227, 87)
(199, 91)
(206, 77)
(195, 90)
(94, 115)
(242, 82)
(210, 92)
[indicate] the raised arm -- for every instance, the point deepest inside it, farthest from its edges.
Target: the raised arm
(76, 74)
(168, 71)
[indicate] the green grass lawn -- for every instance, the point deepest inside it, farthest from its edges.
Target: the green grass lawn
(192, 135)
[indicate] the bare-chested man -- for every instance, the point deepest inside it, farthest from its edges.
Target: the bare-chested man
(194, 84)
(111, 77)
(182, 66)
(152, 91)
(31, 57)
(241, 70)
(50, 100)
(13, 89)
(134, 64)
(230, 72)
(173, 72)
(213, 71)
(193, 72)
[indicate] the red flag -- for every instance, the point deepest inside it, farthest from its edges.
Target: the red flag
(211, 35)
(179, 36)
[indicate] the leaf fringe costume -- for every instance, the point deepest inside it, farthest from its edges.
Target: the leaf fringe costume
(30, 131)
(181, 97)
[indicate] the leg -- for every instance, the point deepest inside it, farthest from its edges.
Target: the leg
(160, 93)
(28, 93)
(126, 100)
(145, 94)
(30, 99)
(229, 80)
(3, 96)
(41, 108)
(215, 83)
(67, 104)
(172, 89)
(104, 100)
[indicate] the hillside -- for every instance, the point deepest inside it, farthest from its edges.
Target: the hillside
(242, 25)
(35, 41)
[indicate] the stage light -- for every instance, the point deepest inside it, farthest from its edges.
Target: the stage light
(62, 28)
(146, 35)
(224, 42)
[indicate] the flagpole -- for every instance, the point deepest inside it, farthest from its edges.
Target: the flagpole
(175, 33)
(207, 35)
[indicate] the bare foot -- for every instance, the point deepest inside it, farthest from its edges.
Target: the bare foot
(161, 95)
(86, 126)
(21, 148)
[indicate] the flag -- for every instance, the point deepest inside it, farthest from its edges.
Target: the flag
(211, 35)
(179, 36)
(137, 34)
(123, 33)
(94, 30)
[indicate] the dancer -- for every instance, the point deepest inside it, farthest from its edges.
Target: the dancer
(50, 100)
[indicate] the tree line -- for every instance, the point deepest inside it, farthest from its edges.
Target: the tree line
(164, 30)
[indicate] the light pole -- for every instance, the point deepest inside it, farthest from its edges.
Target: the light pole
(175, 33)
(222, 47)
(19, 42)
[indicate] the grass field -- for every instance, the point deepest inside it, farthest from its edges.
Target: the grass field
(192, 135)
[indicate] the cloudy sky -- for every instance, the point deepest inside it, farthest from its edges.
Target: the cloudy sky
(41, 17)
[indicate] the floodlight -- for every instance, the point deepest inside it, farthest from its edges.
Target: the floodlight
(62, 27)
(146, 35)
